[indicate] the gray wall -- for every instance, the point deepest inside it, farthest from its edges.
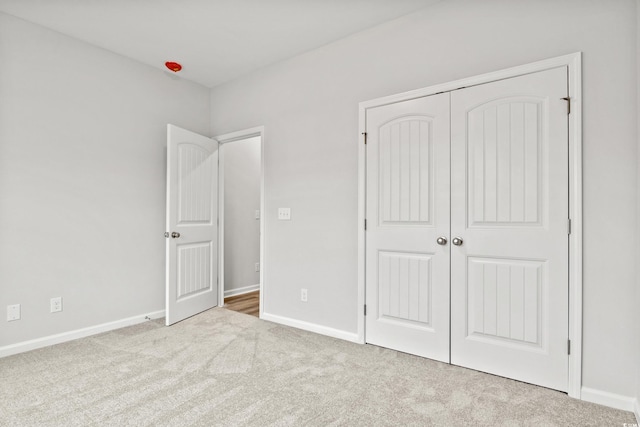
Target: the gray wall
(82, 180)
(241, 201)
(309, 106)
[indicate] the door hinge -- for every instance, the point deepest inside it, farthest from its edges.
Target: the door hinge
(568, 346)
(365, 224)
(365, 309)
(568, 225)
(568, 99)
(365, 137)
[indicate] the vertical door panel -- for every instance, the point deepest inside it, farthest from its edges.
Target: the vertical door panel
(509, 205)
(407, 277)
(192, 212)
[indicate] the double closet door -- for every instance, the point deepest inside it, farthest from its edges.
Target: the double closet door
(467, 216)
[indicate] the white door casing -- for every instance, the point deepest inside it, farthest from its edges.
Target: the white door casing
(509, 206)
(407, 280)
(192, 230)
(571, 63)
(258, 131)
(526, 336)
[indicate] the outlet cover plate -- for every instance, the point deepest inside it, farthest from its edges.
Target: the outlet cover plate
(13, 312)
(284, 214)
(56, 304)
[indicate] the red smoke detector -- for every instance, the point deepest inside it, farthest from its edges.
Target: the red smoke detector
(173, 66)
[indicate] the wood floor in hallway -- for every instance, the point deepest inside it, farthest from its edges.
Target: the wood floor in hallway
(248, 303)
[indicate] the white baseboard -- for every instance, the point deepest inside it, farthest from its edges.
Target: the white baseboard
(636, 410)
(311, 327)
(24, 346)
(240, 291)
(612, 400)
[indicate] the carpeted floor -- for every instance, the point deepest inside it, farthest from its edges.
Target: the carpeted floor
(222, 368)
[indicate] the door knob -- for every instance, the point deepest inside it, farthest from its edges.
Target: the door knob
(441, 241)
(175, 234)
(457, 241)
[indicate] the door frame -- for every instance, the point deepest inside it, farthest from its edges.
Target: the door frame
(574, 64)
(222, 140)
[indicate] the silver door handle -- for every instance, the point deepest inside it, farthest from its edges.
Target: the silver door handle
(441, 241)
(457, 241)
(175, 234)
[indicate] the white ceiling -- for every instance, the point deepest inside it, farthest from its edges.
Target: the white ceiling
(215, 40)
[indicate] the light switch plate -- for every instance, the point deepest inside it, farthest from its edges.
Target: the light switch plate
(284, 214)
(257, 214)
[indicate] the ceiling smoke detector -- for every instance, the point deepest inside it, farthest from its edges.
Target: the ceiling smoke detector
(173, 66)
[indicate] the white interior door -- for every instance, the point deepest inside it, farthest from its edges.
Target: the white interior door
(192, 229)
(407, 273)
(509, 208)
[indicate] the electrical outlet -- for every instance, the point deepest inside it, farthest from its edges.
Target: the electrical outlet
(303, 295)
(56, 304)
(257, 266)
(284, 214)
(13, 312)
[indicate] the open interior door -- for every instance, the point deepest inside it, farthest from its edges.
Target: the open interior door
(192, 224)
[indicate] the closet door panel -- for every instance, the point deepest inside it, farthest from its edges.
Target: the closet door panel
(407, 275)
(509, 208)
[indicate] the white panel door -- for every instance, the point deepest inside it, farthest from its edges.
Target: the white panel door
(407, 273)
(192, 229)
(509, 206)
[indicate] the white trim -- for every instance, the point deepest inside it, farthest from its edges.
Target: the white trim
(507, 73)
(311, 327)
(573, 63)
(34, 344)
(242, 290)
(220, 224)
(241, 134)
(611, 400)
(224, 139)
(362, 211)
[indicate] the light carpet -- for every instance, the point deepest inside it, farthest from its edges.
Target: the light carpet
(222, 368)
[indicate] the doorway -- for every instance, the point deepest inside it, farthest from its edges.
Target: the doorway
(195, 241)
(467, 193)
(241, 225)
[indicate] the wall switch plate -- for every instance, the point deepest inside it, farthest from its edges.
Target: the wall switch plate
(257, 266)
(257, 214)
(284, 214)
(13, 312)
(303, 295)
(56, 304)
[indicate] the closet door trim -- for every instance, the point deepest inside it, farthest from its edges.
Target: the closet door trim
(573, 62)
